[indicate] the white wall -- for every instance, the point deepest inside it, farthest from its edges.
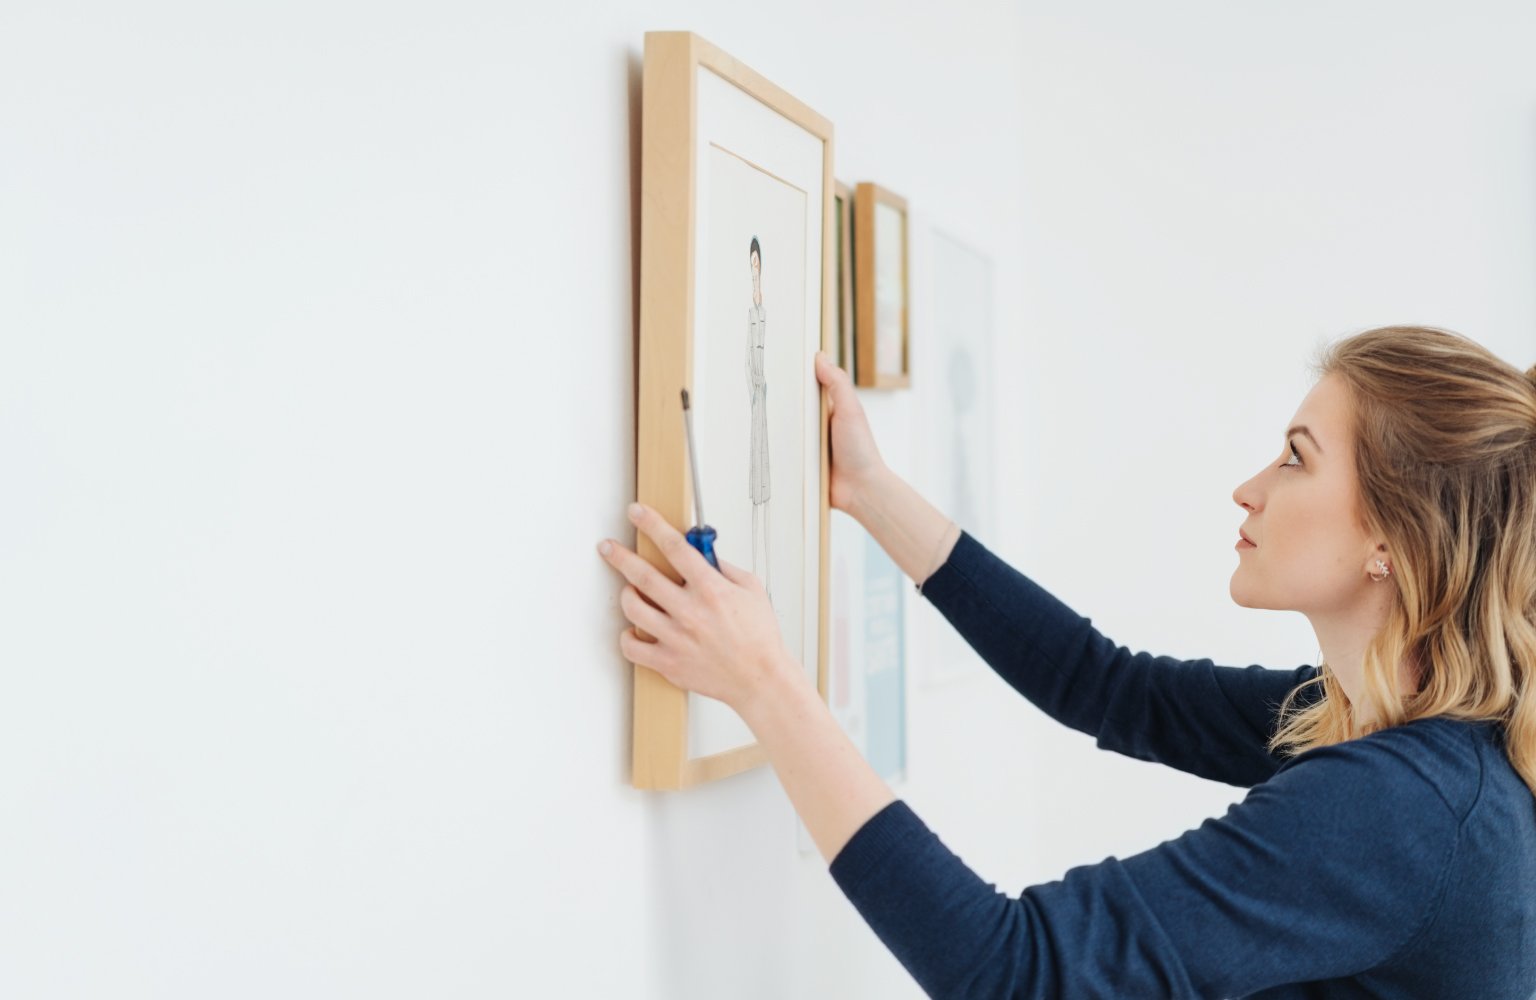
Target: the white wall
(316, 362)
(1211, 191)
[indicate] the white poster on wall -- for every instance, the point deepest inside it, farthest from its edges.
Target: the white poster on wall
(957, 399)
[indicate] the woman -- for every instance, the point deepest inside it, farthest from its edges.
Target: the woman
(1388, 845)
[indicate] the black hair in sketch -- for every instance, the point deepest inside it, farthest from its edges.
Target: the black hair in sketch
(755, 249)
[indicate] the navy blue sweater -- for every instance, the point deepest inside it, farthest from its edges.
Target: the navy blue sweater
(1399, 864)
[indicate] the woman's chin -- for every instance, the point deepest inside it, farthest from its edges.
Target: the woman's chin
(1245, 595)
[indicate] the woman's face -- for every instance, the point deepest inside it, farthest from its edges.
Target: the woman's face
(1309, 552)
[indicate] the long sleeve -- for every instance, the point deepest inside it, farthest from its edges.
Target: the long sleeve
(1209, 720)
(1331, 868)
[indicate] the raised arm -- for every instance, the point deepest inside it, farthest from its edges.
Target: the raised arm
(1212, 721)
(1189, 714)
(914, 533)
(1209, 720)
(1276, 891)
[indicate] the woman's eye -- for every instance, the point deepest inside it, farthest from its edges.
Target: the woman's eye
(1294, 455)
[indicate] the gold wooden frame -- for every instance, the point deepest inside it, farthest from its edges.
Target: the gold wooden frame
(845, 350)
(667, 257)
(866, 372)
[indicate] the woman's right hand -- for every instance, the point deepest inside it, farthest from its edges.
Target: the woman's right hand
(856, 462)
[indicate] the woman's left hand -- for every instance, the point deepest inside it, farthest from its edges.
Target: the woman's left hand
(715, 633)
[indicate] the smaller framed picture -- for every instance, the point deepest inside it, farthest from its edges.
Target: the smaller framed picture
(843, 210)
(882, 348)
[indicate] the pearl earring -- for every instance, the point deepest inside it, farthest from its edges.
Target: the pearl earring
(1383, 569)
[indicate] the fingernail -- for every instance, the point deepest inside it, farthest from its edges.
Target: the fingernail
(605, 547)
(635, 511)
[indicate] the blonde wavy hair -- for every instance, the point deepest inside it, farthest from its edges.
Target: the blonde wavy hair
(1445, 451)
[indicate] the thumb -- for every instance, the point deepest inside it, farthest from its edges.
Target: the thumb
(827, 370)
(829, 374)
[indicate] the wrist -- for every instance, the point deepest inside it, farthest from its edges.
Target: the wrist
(778, 686)
(866, 495)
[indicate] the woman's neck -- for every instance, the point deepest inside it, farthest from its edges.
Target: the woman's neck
(1344, 640)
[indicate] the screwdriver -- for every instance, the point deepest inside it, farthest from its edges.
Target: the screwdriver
(701, 536)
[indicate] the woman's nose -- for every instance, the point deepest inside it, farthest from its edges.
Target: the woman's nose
(1246, 496)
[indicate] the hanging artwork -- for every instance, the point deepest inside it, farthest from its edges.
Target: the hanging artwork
(959, 402)
(737, 293)
(885, 663)
(843, 200)
(881, 301)
(867, 687)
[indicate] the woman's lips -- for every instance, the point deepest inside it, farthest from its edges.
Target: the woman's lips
(1243, 542)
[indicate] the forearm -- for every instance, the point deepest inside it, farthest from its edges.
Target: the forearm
(913, 532)
(830, 784)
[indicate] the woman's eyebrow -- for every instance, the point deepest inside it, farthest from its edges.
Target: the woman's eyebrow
(1302, 429)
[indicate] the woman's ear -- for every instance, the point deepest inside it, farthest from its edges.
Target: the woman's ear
(1378, 565)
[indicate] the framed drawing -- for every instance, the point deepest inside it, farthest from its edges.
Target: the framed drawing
(843, 197)
(737, 293)
(881, 324)
(958, 401)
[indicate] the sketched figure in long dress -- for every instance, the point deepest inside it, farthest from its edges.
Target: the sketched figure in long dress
(759, 486)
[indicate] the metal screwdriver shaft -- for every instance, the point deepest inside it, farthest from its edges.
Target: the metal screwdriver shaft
(701, 536)
(693, 466)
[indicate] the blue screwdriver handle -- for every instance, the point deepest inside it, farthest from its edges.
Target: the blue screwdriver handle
(703, 539)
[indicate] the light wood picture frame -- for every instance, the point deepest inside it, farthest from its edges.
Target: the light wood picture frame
(724, 154)
(843, 196)
(882, 300)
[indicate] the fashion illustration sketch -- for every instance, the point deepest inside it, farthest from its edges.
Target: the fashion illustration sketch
(759, 484)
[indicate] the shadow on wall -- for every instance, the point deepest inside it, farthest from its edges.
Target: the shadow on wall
(633, 65)
(727, 902)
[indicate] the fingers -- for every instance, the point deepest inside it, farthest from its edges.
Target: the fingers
(684, 557)
(647, 579)
(825, 376)
(838, 382)
(647, 617)
(737, 575)
(646, 654)
(827, 370)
